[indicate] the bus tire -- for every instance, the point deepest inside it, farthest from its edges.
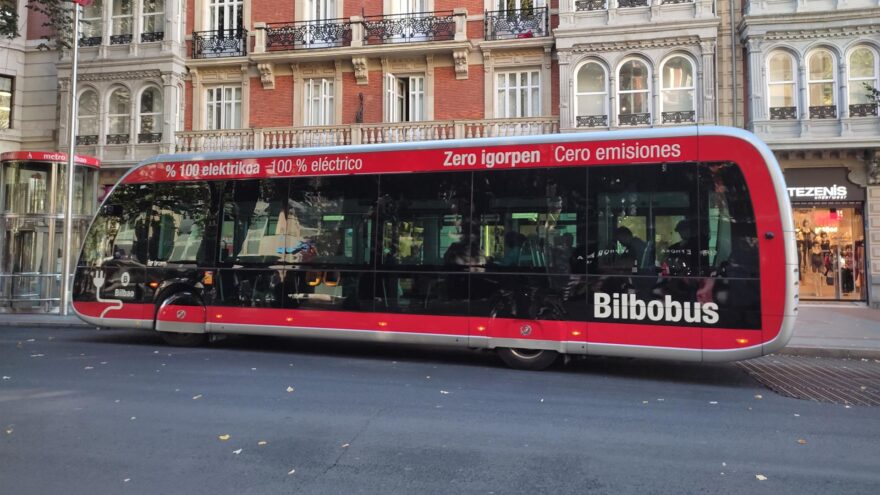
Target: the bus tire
(528, 359)
(184, 339)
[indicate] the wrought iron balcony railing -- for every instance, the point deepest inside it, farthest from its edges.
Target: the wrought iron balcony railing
(149, 137)
(219, 43)
(118, 138)
(327, 33)
(783, 113)
(666, 2)
(401, 28)
(151, 37)
(586, 5)
(634, 119)
(678, 117)
(863, 110)
(823, 112)
(87, 140)
(625, 4)
(517, 23)
(592, 120)
(90, 41)
(120, 39)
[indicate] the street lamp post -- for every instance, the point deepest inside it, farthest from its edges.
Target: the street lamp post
(71, 162)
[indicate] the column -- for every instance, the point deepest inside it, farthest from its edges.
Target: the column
(566, 112)
(842, 108)
(169, 111)
(758, 77)
(707, 81)
(872, 211)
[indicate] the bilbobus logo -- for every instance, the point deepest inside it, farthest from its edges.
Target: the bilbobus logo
(630, 307)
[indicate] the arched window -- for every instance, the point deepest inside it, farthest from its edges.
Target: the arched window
(677, 91)
(821, 85)
(634, 93)
(87, 118)
(782, 86)
(153, 28)
(591, 96)
(150, 116)
(863, 71)
(121, 22)
(119, 117)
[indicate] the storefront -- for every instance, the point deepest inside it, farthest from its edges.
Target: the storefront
(829, 216)
(32, 225)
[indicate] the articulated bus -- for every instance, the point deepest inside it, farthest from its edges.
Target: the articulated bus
(662, 243)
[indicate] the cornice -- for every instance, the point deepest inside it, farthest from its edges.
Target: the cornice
(115, 76)
(637, 44)
(809, 34)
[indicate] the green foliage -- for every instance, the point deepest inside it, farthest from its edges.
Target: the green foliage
(873, 93)
(59, 20)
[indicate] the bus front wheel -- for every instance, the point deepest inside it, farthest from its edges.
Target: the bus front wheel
(528, 359)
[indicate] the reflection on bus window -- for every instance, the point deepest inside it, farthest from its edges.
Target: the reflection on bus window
(331, 221)
(530, 221)
(425, 221)
(178, 221)
(120, 230)
(253, 224)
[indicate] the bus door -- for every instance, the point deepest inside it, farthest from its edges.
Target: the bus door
(177, 254)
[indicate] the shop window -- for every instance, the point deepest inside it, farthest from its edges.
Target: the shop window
(150, 116)
(782, 86)
(6, 91)
(864, 71)
(677, 95)
(633, 93)
(591, 96)
(821, 84)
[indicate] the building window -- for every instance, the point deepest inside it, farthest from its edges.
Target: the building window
(226, 15)
(153, 20)
(782, 86)
(591, 96)
(404, 98)
(119, 117)
(634, 93)
(677, 91)
(821, 84)
(87, 118)
(863, 72)
(121, 22)
(319, 102)
(223, 108)
(518, 94)
(150, 116)
(92, 25)
(5, 102)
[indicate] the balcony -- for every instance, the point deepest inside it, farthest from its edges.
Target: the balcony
(219, 43)
(152, 37)
(628, 4)
(588, 5)
(310, 34)
(680, 117)
(863, 110)
(783, 113)
(307, 137)
(90, 41)
(592, 120)
(517, 24)
(425, 26)
(120, 39)
(634, 119)
(823, 112)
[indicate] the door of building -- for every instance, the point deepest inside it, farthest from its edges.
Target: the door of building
(831, 252)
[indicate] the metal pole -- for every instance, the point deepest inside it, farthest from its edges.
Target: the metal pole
(71, 163)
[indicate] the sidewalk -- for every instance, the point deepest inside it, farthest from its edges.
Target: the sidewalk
(822, 330)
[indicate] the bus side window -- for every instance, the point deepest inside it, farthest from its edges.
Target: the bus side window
(731, 240)
(178, 221)
(120, 229)
(253, 223)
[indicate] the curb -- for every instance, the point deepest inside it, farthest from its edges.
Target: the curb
(830, 352)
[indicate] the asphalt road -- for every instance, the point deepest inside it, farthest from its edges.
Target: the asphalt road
(103, 412)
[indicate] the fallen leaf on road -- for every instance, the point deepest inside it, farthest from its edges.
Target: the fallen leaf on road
(51, 338)
(155, 352)
(346, 445)
(9, 430)
(7, 377)
(760, 477)
(133, 418)
(262, 443)
(31, 340)
(224, 437)
(236, 452)
(444, 392)
(290, 389)
(797, 415)
(644, 402)
(713, 402)
(253, 369)
(661, 400)
(197, 397)
(802, 441)
(126, 480)
(759, 396)
(291, 472)
(89, 368)
(37, 355)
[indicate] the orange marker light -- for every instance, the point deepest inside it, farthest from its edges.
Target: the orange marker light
(153, 285)
(289, 319)
(481, 328)
(383, 324)
(742, 341)
(218, 316)
(575, 333)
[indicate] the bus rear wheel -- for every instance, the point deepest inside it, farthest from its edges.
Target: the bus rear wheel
(184, 339)
(528, 359)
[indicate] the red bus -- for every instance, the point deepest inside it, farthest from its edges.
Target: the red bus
(661, 243)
